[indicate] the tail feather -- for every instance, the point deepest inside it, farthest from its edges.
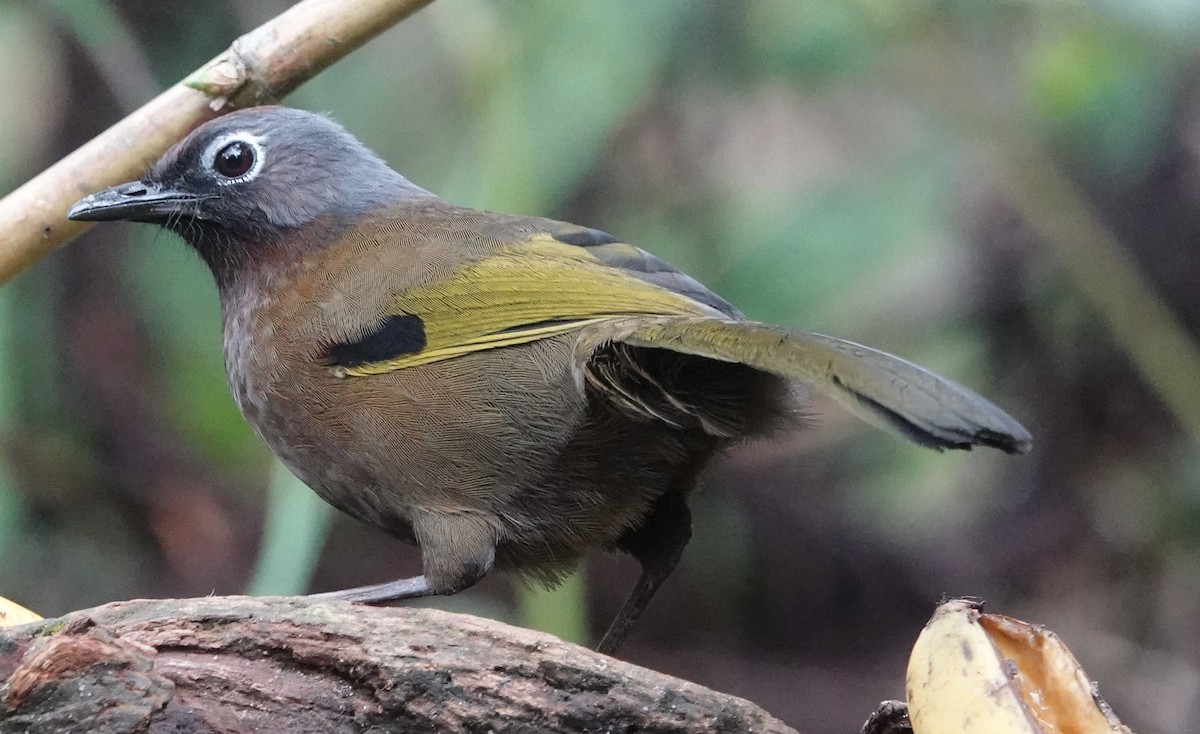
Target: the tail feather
(884, 390)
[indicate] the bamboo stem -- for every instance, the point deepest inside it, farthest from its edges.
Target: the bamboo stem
(261, 67)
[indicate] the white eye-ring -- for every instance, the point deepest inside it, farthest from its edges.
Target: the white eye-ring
(235, 157)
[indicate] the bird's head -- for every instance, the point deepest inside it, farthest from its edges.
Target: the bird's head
(253, 177)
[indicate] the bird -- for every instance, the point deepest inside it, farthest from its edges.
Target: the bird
(503, 391)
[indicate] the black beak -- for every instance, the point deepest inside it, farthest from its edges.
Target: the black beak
(136, 201)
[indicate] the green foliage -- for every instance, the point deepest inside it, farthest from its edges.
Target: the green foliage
(11, 510)
(561, 611)
(1102, 85)
(178, 306)
(819, 40)
(794, 262)
(297, 523)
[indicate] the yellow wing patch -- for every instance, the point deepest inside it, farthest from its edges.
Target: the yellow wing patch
(520, 294)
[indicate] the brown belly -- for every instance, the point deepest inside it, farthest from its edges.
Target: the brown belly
(510, 434)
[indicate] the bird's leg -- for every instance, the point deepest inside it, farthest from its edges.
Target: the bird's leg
(457, 549)
(396, 590)
(657, 545)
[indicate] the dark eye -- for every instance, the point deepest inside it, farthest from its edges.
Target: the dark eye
(234, 159)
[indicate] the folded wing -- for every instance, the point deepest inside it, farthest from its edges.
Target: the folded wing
(559, 282)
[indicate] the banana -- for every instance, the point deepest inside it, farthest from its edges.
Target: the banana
(989, 674)
(12, 614)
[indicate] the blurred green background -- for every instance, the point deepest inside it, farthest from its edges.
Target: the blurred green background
(1006, 192)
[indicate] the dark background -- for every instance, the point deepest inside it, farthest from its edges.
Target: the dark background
(941, 180)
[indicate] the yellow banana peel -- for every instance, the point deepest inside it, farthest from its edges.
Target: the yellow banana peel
(12, 613)
(990, 674)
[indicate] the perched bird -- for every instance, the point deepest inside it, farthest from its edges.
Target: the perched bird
(502, 390)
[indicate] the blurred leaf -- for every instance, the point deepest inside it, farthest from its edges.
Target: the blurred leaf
(815, 39)
(112, 46)
(719, 562)
(296, 524)
(1103, 86)
(31, 72)
(1169, 18)
(823, 249)
(538, 127)
(11, 508)
(179, 305)
(561, 611)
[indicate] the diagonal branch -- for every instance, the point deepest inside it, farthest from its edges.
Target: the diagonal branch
(259, 68)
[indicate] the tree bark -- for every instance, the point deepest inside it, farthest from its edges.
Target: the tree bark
(241, 664)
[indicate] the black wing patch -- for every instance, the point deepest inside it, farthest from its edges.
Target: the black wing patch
(398, 335)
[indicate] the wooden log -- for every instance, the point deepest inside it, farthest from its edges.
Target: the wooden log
(242, 664)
